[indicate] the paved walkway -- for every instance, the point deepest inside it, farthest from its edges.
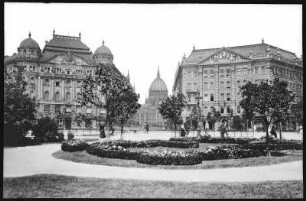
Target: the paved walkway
(32, 160)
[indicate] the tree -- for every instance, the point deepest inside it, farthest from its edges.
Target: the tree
(213, 117)
(103, 90)
(19, 107)
(127, 105)
(193, 117)
(270, 101)
(171, 108)
(46, 130)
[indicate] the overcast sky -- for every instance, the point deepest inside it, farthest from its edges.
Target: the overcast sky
(145, 36)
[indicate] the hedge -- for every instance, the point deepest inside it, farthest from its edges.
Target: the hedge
(169, 157)
(155, 143)
(74, 145)
(276, 144)
(111, 150)
(209, 139)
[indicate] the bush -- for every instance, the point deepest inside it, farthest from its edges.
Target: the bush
(276, 144)
(228, 152)
(46, 130)
(74, 145)
(156, 143)
(169, 157)
(111, 150)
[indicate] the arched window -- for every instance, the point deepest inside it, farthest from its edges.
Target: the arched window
(205, 85)
(228, 96)
(68, 97)
(238, 109)
(222, 96)
(238, 84)
(211, 97)
(228, 84)
(228, 109)
(57, 96)
(222, 109)
(222, 85)
(205, 97)
(211, 85)
(46, 95)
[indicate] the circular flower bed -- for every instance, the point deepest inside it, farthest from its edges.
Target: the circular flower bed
(169, 157)
(74, 145)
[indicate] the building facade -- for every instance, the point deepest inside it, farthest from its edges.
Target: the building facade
(149, 111)
(216, 75)
(55, 76)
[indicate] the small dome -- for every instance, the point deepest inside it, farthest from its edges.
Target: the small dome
(158, 85)
(29, 43)
(103, 50)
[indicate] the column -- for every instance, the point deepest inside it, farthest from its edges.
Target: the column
(62, 95)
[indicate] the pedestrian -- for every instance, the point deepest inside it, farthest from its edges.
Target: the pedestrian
(273, 132)
(186, 125)
(226, 129)
(183, 131)
(147, 127)
(222, 130)
(102, 132)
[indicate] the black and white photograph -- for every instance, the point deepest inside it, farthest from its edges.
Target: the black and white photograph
(153, 100)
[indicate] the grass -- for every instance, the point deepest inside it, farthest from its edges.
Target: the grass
(57, 186)
(84, 157)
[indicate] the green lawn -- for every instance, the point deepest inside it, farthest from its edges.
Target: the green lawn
(84, 157)
(56, 186)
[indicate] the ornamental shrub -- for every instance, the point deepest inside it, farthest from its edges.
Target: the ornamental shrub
(74, 145)
(169, 157)
(46, 130)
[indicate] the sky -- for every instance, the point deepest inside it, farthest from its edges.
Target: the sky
(143, 37)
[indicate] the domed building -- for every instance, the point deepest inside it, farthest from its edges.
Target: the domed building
(149, 111)
(55, 75)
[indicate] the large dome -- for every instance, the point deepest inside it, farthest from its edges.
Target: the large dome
(158, 85)
(29, 43)
(103, 49)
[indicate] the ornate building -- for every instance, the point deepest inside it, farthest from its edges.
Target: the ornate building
(55, 75)
(216, 74)
(148, 112)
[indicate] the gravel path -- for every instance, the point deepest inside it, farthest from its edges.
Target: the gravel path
(31, 160)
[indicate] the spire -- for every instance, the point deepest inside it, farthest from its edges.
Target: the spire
(158, 75)
(262, 40)
(193, 47)
(80, 35)
(53, 31)
(103, 42)
(29, 34)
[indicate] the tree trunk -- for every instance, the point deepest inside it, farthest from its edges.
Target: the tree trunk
(175, 130)
(280, 130)
(121, 131)
(267, 140)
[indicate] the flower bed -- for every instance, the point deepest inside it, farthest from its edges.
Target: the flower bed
(276, 144)
(156, 143)
(209, 139)
(74, 145)
(169, 157)
(228, 152)
(111, 150)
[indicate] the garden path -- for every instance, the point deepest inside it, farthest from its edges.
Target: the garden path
(32, 160)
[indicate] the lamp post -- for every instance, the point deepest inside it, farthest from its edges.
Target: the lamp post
(198, 97)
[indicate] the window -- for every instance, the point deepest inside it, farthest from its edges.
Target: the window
(205, 97)
(212, 109)
(221, 71)
(263, 70)
(211, 97)
(228, 96)
(57, 109)
(238, 109)
(222, 97)
(211, 73)
(68, 96)
(57, 96)
(238, 84)
(46, 82)
(211, 85)
(68, 72)
(205, 85)
(222, 85)
(68, 83)
(46, 109)
(228, 109)
(256, 70)
(228, 84)
(46, 95)
(205, 72)
(57, 83)
(222, 109)
(228, 72)
(189, 86)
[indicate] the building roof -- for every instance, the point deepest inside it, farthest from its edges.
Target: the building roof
(158, 85)
(29, 43)
(245, 50)
(103, 49)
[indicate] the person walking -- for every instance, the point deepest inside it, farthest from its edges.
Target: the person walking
(147, 127)
(183, 131)
(273, 132)
(102, 132)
